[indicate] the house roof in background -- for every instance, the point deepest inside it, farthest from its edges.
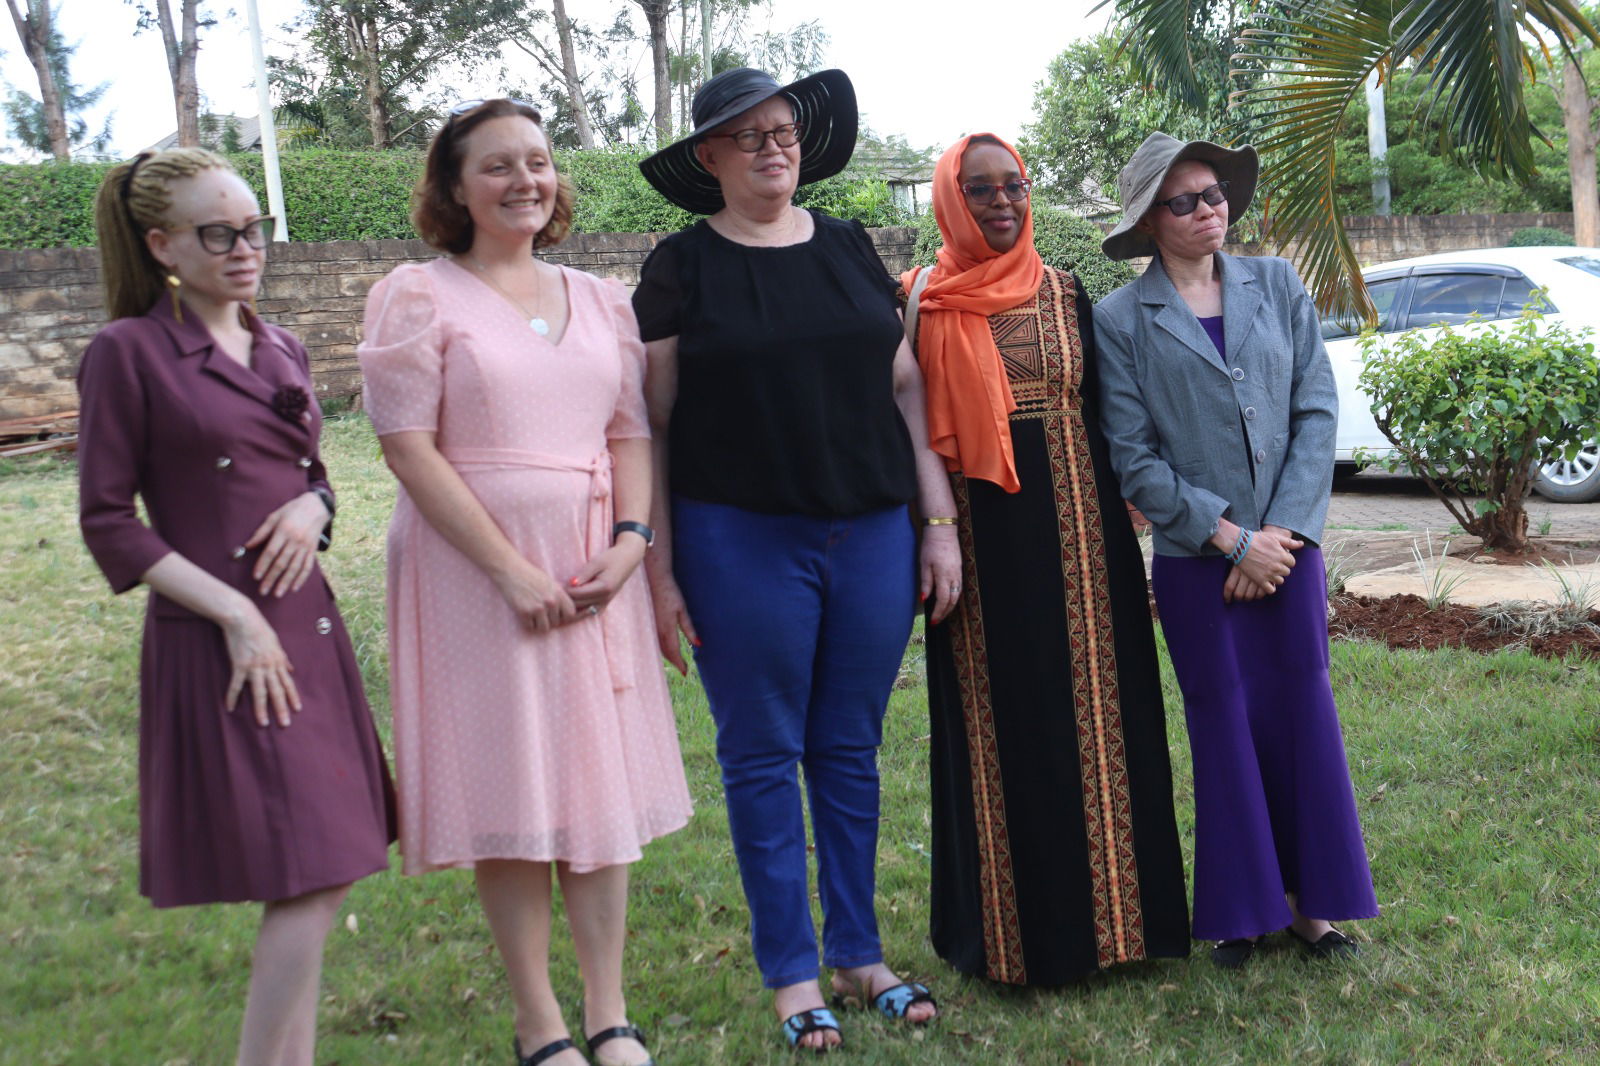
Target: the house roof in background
(212, 130)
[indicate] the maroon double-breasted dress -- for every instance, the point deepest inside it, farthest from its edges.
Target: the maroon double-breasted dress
(228, 809)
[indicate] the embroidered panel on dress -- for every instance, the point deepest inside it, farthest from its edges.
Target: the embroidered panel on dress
(1002, 927)
(1107, 805)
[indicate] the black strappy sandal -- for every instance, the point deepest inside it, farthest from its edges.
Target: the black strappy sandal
(594, 1040)
(555, 1047)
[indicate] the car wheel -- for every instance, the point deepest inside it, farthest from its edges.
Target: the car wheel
(1575, 480)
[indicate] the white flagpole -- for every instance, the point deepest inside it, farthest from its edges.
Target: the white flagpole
(269, 132)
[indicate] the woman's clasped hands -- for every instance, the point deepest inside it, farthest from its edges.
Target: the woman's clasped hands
(1266, 563)
(543, 603)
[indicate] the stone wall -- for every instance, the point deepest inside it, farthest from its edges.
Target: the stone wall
(50, 304)
(50, 299)
(1378, 239)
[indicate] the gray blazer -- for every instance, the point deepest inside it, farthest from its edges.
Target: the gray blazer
(1184, 427)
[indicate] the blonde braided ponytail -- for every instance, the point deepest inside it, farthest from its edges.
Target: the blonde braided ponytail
(135, 197)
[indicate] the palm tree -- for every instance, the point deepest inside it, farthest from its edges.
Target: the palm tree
(1308, 60)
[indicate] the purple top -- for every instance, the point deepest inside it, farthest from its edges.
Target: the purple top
(1213, 328)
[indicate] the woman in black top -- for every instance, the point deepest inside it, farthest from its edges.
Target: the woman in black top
(789, 423)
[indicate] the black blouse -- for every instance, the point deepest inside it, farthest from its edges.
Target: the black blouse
(785, 371)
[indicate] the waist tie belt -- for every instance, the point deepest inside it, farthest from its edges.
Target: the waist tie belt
(597, 535)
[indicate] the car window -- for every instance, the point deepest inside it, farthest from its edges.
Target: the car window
(1586, 263)
(1519, 294)
(1446, 299)
(1382, 294)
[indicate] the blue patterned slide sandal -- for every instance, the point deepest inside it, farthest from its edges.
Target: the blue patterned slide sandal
(893, 1002)
(796, 1026)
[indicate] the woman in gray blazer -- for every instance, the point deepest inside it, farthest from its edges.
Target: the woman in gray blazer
(1219, 408)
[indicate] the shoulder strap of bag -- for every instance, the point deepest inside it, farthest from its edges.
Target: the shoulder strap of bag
(913, 298)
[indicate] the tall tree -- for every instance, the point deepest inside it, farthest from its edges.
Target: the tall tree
(562, 63)
(1578, 116)
(1090, 113)
(37, 32)
(1317, 54)
(180, 39)
(388, 47)
(656, 13)
(26, 118)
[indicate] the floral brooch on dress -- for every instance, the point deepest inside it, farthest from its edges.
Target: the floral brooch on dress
(291, 402)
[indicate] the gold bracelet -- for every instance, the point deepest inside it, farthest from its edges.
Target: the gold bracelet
(938, 521)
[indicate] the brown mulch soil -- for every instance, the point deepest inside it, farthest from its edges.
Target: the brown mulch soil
(1540, 550)
(1407, 622)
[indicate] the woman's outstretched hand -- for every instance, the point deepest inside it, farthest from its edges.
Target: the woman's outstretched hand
(259, 661)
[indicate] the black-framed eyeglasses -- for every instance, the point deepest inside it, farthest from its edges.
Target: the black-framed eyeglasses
(981, 192)
(784, 136)
(219, 238)
(1185, 203)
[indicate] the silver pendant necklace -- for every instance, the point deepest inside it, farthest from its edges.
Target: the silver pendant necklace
(535, 322)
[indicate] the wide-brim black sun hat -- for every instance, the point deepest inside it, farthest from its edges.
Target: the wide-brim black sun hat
(824, 105)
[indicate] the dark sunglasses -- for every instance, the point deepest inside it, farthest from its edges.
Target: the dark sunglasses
(1187, 202)
(980, 193)
(219, 238)
(783, 136)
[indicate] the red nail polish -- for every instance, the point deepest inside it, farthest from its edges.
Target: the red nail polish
(696, 642)
(574, 581)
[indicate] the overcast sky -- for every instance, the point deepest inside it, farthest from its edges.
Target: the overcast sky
(930, 71)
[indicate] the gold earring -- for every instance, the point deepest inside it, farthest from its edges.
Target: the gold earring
(172, 287)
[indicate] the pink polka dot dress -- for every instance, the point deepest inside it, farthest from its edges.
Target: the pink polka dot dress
(511, 744)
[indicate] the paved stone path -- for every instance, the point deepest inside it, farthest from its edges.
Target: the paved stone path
(1373, 500)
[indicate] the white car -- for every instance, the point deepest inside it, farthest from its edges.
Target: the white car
(1450, 288)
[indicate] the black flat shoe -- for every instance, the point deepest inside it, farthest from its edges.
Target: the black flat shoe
(1331, 945)
(1232, 954)
(594, 1040)
(555, 1047)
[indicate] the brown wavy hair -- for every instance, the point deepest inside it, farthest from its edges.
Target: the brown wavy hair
(134, 198)
(445, 224)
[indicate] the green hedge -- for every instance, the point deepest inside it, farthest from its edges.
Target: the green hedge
(1065, 241)
(1539, 237)
(336, 195)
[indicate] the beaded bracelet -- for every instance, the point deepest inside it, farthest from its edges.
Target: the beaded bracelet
(1240, 547)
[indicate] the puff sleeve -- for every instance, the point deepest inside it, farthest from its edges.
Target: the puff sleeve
(401, 353)
(113, 447)
(630, 418)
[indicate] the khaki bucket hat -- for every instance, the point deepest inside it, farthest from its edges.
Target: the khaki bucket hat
(1141, 180)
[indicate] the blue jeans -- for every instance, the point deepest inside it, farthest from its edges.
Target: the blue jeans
(803, 622)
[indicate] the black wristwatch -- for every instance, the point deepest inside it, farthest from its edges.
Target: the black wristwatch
(640, 528)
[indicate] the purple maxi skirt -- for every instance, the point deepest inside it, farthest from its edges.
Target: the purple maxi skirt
(1274, 807)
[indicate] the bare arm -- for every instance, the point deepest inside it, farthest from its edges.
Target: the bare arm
(940, 563)
(660, 394)
(460, 518)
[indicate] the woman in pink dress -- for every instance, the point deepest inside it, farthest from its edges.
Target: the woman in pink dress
(532, 724)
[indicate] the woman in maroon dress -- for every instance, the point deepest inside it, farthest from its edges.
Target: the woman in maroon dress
(191, 402)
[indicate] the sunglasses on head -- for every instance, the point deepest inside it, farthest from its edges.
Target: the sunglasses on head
(1186, 203)
(472, 105)
(981, 192)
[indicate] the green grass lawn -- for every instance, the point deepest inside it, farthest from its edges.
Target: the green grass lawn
(1478, 780)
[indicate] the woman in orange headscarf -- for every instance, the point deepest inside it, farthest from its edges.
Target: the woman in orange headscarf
(1055, 851)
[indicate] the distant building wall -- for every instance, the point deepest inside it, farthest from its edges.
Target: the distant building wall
(50, 299)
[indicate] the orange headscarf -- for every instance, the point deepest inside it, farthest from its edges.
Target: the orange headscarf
(969, 398)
